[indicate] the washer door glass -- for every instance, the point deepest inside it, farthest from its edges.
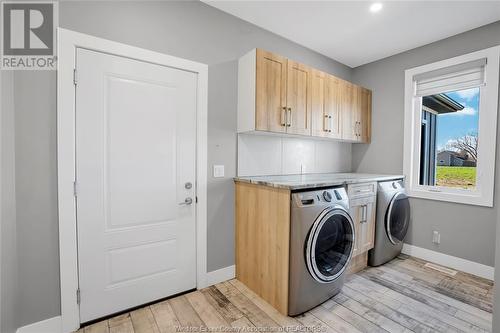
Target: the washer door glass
(330, 245)
(398, 218)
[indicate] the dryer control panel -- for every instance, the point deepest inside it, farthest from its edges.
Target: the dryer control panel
(392, 186)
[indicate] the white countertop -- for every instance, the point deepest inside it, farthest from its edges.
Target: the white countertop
(295, 182)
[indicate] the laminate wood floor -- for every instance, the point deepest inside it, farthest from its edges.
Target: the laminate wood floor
(401, 296)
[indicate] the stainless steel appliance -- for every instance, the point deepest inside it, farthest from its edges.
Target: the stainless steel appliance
(321, 246)
(393, 219)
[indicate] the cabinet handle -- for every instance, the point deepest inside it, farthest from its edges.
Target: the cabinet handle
(283, 116)
(331, 123)
(364, 213)
(356, 129)
(326, 123)
(289, 123)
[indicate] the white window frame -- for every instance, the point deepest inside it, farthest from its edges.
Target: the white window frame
(482, 195)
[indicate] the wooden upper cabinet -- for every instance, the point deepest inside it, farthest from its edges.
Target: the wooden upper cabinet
(356, 113)
(270, 104)
(325, 116)
(298, 100)
(279, 95)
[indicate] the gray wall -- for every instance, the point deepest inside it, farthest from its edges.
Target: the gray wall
(36, 195)
(466, 231)
(189, 30)
(8, 242)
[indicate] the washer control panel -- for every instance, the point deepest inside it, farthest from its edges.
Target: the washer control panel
(326, 196)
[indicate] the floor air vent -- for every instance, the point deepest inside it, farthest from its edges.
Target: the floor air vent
(441, 269)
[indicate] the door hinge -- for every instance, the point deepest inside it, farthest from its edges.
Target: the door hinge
(78, 298)
(75, 189)
(74, 77)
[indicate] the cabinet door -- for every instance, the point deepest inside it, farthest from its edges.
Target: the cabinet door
(363, 215)
(361, 105)
(325, 115)
(270, 88)
(332, 107)
(298, 98)
(348, 105)
(364, 115)
(319, 116)
(367, 227)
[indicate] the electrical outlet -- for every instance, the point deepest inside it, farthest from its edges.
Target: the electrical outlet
(302, 168)
(436, 237)
(218, 171)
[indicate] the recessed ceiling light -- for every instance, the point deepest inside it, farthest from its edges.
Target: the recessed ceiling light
(376, 7)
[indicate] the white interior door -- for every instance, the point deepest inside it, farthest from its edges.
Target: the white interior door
(135, 158)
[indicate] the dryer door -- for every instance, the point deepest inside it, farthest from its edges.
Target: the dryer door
(397, 218)
(330, 244)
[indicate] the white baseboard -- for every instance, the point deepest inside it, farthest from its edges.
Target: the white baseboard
(460, 264)
(52, 325)
(220, 275)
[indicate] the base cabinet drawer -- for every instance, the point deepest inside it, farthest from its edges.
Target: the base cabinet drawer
(362, 190)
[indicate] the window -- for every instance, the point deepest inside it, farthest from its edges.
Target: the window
(449, 135)
(450, 128)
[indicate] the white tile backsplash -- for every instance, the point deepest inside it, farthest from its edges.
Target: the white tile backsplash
(332, 156)
(259, 155)
(262, 155)
(298, 155)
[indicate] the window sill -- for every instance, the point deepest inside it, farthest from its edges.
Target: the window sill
(464, 197)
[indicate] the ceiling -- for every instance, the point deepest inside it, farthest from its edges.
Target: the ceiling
(348, 32)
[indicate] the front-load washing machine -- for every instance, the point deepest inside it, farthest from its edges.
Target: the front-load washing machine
(321, 246)
(393, 219)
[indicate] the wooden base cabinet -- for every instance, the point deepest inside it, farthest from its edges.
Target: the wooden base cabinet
(362, 203)
(263, 237)
(263, 241)
(279, 95)
(358, 263)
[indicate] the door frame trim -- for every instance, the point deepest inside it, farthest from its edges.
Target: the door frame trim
(68, 41)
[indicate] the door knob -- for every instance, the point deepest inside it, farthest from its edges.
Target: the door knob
(187, 201)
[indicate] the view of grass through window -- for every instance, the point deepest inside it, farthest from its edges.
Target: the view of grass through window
(449, 142)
